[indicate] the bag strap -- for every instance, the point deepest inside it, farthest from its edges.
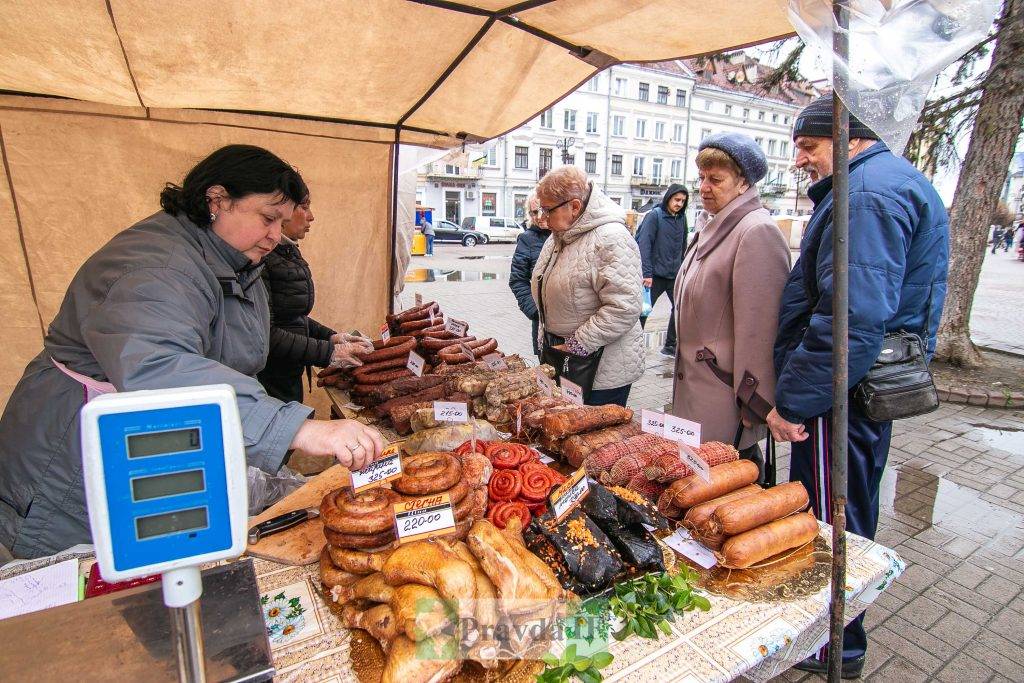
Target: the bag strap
(752, 404)
(770, 473)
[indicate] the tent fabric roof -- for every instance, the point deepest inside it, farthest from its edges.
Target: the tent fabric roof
(443, 72)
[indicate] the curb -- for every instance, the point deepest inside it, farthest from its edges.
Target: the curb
(983, 398)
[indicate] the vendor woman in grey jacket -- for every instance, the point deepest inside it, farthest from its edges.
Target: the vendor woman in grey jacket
(175, 300)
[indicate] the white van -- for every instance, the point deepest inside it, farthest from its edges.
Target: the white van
(494, 229)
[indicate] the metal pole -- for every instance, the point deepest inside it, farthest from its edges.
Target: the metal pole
(393, 266)
(187, 631)
(840, 336)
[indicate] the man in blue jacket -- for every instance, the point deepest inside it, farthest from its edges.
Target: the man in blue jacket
(662, 241)
(899, 249)
(528, 246)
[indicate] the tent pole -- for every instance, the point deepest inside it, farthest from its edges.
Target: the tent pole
(840, 333)
(393, 267)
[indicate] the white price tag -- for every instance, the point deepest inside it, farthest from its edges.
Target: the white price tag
(456, 327)
(652, 422)
(421, 518)
(544, 382)
(451, 411)
(419, 299)
(377, 472)
(684, 431)
(572, 391)
(432, 316)
(519, 419)
(695, 462)
(566, 497)
(385, 333)
(467, 353)
(546, 460)
(683, 543)
(495, 362)
(415, 363)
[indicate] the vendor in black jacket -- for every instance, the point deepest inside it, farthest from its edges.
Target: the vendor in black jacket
(528, 247)
(297, 342)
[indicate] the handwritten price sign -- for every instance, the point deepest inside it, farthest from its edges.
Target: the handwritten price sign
(652, 422)
(456, 327)
(385, 333)
(569, 495)
(695, 462)
(495, 362)
(681, 430)
(418, 299)
(424, 518)
(377, 472)
(415, 363)
(450, 411)
(544, 382)
(572, 391)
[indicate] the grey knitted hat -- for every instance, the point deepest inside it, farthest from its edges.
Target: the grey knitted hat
(816, 121)
(747, 154)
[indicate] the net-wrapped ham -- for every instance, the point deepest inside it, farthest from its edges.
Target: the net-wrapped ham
(576, 448)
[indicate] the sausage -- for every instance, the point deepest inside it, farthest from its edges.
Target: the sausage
(392, 348)
(414, 313)
(737, 516)
(434, 344)
(479, 348)
(382, 376)
(412, 326)
(584, 419)
(693, 490)
(432, 393)
(698, 515)
(371, 368)
(776, 537)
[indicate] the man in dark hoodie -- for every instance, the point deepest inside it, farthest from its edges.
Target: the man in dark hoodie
(662, 241)
(528, 246)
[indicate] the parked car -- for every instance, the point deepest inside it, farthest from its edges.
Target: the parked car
(446, 231)
(496, 229)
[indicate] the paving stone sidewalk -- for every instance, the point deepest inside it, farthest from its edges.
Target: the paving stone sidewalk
(952, 499)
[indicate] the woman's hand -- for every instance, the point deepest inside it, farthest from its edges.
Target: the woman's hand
(344, 355)
(783, 430)
(648, 281)
(353, 444)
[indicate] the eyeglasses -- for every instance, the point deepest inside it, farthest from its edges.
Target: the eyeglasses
(534, 212)
(548, 211)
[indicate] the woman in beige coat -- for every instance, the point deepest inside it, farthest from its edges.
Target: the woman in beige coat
(727, 299)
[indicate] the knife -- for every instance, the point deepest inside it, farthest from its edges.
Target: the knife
(282, 522)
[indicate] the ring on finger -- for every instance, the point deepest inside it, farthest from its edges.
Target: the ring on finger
(353, 448)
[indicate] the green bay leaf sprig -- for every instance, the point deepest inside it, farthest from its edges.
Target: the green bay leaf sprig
(647, 604)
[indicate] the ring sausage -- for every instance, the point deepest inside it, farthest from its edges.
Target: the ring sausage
(392, 348)
(434, 344)
(367, 512)
(382, 376)
(479, 348)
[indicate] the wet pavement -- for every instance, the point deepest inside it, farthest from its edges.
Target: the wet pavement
(951, 499)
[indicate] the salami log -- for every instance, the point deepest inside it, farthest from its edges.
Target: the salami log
(756, 545)
(371, 368)
(434, 344)
(584, 419)
(404, 386)
(382, 376)
(431, 393)
(413, 325)
(693, 490)
(479, 348)
(737, 516)
(392, 348)
(414, 313)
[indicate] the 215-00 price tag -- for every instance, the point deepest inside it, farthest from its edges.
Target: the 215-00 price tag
(377, 472)
(569, 495)
(451, 411)
(424, 518)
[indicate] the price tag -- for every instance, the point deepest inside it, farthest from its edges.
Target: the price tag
(569, 495)
(421, 518)
(456, 327)
(683, 543)
(683, 431)
(432, 318)
(572, 391)
(415, 363)
(519, 419)
(495, 362)
(467, 352)
(546, 459)
(544, 382)
(385, 333)
(450, 411)
(419, 299)
(652, 422)
(696, 463)
(377, 472)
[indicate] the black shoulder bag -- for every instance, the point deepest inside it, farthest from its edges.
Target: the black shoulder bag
(579, 369)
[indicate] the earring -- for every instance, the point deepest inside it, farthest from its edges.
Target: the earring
(213, 217)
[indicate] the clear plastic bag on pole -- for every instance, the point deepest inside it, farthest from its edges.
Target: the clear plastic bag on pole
(897, 48)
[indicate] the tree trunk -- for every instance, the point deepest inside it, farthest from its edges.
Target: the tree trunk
(995, 133)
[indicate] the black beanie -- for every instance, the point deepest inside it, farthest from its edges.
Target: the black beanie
(816, 121)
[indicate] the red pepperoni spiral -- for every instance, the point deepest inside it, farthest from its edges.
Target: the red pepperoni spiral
(537, 509)
(503, 455)
(505, 485)
(536, 485)
(466, 447)
(502, 512)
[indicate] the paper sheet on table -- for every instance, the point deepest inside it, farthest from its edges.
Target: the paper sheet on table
(40, 589)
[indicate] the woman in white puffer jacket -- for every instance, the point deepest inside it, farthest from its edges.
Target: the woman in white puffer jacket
(587, 281)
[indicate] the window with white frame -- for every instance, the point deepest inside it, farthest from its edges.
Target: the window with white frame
(680, 98)
(492, 156)
(784, 148)
(619, 126)
(616, 164)
(771, 147)
(746, 113)
(662, 94)
(704, 132)
(659, 130)
(522, 157)
(707, 105)
(728, 110)
(775, 118)
(546, 117)
(620, 86)
(569, 120)
(656, 168)
(677, 132)
(760, 142)
(786, 121)
(676, 171)
(645, 92)
(760, 116)
(641, 128)
(638, 165)
(591, 121)
(590, 162)
(594, 84)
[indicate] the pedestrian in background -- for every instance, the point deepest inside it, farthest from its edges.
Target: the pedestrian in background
(997, 237)
(662, 241)
(428, 232)
(528, 246)
(1008, 238)
(899, 251)
(728, 294)
(587, 284)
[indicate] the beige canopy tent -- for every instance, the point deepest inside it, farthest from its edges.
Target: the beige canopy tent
(104, 101)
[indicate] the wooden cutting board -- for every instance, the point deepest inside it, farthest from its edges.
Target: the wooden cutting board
(301, 544)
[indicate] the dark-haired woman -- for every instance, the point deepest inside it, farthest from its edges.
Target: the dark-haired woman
(175, 300)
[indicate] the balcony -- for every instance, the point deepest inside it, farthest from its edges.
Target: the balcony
(448, 172)
(646, 182)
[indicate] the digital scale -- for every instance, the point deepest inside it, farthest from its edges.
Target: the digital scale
(165, 482)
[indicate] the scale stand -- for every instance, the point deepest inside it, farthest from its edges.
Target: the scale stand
(182, 589)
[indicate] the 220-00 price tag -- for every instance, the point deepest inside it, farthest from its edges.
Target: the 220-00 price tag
(424, 518)
(569, 495)
(377, 472)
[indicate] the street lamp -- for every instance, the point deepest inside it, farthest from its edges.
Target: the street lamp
(798, 175)
(565, 144)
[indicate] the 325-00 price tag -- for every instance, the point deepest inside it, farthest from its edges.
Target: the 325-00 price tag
(569, 495)
(377, 472)
(424, 518)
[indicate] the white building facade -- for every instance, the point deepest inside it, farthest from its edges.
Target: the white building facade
(634, 129)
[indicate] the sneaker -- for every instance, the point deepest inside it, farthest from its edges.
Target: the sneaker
(669, 351)
(852, 668)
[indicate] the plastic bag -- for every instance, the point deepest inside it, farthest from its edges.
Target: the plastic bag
(449, 437)
(896, 50)
(647, 308)
(266, 489)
